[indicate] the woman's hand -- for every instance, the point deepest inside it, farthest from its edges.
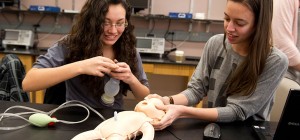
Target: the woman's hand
(97, 66)
(172, 113)
(123, 72)
(164, 99)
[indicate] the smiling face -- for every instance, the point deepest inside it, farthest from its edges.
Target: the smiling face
(114, 24)
(238, 23)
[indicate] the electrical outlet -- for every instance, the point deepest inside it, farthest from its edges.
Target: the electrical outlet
(150, 35)
(195, 34)
(171, 33)
(170, 36)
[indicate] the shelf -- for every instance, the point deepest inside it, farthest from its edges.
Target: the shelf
(60, 24)
(13, 11)
(147, 17)
(167, 17)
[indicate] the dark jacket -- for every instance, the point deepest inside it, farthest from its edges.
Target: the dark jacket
(12, 73)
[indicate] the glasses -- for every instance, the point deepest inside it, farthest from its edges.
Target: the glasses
(118, 26)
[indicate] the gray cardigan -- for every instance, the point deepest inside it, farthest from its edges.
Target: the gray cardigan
(212, 72)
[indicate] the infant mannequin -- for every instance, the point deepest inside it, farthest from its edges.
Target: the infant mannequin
(148, 107)
(128, 124)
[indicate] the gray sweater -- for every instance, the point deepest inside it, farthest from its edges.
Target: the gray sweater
(212, 72)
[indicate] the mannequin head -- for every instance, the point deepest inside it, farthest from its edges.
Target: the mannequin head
(149, 108)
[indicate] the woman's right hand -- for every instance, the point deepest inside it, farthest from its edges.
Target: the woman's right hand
(173, 112)
(97, 66)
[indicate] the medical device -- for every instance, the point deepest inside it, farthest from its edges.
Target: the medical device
(16, 37)
(111, 89)
(150, 45)
(40, 118)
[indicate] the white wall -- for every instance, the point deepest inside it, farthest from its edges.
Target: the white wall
(216, 9)
(213, 9)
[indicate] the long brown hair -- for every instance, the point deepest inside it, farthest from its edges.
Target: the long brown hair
(244, 78)
(83, 41)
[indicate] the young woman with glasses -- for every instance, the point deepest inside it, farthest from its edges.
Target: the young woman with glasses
(100, 46)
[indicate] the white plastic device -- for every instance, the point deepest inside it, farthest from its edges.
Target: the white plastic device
(150, 45)
(111, 89)
(16, 37)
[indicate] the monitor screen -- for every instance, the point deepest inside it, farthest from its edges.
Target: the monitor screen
(144, 43)
(11, 35)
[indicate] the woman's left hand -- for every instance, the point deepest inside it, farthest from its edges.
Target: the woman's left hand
(123, 72)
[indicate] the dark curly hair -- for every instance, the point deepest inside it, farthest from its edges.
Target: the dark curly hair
(83, 41)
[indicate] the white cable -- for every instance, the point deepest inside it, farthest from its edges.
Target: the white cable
(86, 106)
(20, 115)
(68, 122)
(56, 26)
(48, 34)
(182, 42)
(13, 115)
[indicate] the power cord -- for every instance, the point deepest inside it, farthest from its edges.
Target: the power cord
(40, 118)
(173, 134)
(166, 53)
